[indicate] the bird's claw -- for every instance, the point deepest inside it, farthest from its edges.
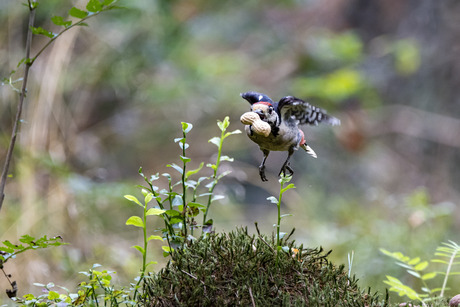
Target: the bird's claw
(286, 167)
(262, 173)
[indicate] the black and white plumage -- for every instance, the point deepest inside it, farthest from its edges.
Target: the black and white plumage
(284, 118)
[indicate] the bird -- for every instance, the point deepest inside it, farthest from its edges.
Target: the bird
(284, 118)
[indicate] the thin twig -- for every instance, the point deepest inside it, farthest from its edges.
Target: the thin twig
(22, 95)
(252, 297)
(29, 61)
(262, 239)
(194, 277)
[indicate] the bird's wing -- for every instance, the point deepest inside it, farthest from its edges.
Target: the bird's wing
(255, 97)
(292, 108)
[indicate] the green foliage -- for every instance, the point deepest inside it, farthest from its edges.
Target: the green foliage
(283, 180)
(183, 200)
(10, 251)
(97, 290)
(243, 269)
(93, 7)
(447, 253)
(183, 209)
(142, 223)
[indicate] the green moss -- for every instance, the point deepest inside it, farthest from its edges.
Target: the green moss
(236, 268)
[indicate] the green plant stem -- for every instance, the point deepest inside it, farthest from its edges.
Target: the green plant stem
(214, 176)
(160, 204)
(184, 191)
(78, 23)
(22, 95)
(28, 62)
(451, 262)
(279, 215)
(144, 254)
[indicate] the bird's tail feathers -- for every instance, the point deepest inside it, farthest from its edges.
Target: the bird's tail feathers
(309, 150)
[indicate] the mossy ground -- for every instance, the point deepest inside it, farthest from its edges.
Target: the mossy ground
(237, 268)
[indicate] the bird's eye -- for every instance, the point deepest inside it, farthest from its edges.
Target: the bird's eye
(270, 110)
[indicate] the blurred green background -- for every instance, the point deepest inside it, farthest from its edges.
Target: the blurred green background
(106, 99)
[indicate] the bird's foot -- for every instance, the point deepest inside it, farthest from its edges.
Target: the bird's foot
(262, 173)
(286, 168)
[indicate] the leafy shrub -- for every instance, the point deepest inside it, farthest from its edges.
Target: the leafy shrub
(240, 269)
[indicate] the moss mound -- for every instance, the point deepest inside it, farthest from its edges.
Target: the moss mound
(236, 268)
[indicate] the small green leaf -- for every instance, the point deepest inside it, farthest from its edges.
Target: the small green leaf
(421, 266)
(185, 159)
(152, 237)
(176, 167)
(150, 263)
(135, 221)
(193, 172)
(148, 198)
(53, 295)
(196, 205)
(133, 199)
(284, 179)
(41, 31)
(416, 274)
(186, 127)
(94, 6)
(9, 244)
(440, 261)
(183, 145)
(226, 158)
(237, 131)
(59, 21)
(428, 276)
(223, 174)
(273, 199)
(77, 13)
(213, 166)
(167, 248)
(224, 124)
(172, 213)
(6, 250)
(27, 239)
(141, 249)
(290, 186)
(215, 140)
(414, 261)
(176, 220)
(155, 211)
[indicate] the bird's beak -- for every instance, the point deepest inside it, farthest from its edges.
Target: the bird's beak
(260, 113)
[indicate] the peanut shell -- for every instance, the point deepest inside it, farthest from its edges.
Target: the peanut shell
(258, 125)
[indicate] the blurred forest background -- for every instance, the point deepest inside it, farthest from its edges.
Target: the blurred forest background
(108, 98)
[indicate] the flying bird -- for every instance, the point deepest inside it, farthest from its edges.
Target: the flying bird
(284, 118)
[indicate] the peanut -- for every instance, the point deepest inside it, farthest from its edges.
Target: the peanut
(258, 125)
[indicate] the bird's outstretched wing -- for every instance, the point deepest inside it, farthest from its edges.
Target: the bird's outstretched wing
(255, 97)
(292, 108)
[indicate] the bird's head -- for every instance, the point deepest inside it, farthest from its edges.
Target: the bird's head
(262, 105)
(266, 111)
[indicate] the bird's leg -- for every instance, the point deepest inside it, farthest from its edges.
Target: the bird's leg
(262, 166)
(286, 166)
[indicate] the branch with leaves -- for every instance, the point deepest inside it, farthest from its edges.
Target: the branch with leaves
(93, 8)
(447, 254)
(9, 251)
(283, 180)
